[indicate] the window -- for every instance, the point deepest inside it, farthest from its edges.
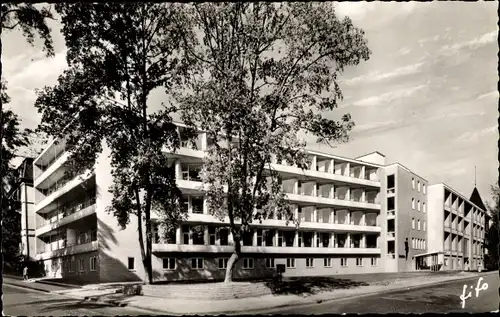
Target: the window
(390, 181)
(93, 263)
(343, 262)
(211, 235)
(359, 261)
(373, 261)
(418, 205)
(169, 263)
(418, 186)
(260, 240)
(413, 203)
(390, 203)
(290, 263)
(72, 265)
(185, 234)
(248, 263)
(280, 238)
(309, 262)
(413, 183)
(445, 261)
(424, 244)
(423, 207)
(413, 243)
(81, 265)
(423, 226)
(413, 223)
(423, 188)
(418, 224)
(223, 263)
(197, 263)
(327, 262)
(270, 263)
(131, 264)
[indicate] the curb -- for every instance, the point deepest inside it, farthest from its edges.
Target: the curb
(27, 287)
(311, 301)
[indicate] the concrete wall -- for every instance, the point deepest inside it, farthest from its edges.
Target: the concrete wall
(211, 271)
(115, 245)
(388, 264)
(405, 212)
(27, 196)
(85, 276)
(375, 158)
(435, 212)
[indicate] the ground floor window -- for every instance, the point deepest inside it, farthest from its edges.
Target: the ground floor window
(445, 261)
(327, 262)
(343, 262)
(374, 261)
(359, 261)
(81, 265)
(93, 263)
(290, 263)
(197, 263)
(72, 265)
(169, 263)
(131, 264)
(270, 263)
(309, 262)
(247, 263)
(223, 263)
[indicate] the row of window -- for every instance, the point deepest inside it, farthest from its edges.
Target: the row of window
(248, 263)
(418, 205)
(418, 224)
(418, 243)
(81, 264)
(418, 185)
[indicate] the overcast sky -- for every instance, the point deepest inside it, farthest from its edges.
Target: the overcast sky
(427, 98)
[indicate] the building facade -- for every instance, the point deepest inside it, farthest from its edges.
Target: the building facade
(355, 216)
(23, 192)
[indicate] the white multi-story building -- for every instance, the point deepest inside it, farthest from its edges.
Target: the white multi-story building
(355, 215)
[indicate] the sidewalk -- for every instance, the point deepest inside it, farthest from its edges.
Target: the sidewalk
(35, 284)
(235, 306)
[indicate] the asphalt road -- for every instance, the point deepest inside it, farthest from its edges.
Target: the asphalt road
(26, 302)
(441, 298)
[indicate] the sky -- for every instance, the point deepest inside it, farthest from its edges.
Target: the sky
(427, 98)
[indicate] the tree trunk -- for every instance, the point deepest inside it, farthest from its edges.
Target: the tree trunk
(141, 238)
(149, 241)
(232, 261)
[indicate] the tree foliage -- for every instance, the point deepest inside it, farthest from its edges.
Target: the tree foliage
(266, 72)
(13, 139)
(492, 240)
(117, 55)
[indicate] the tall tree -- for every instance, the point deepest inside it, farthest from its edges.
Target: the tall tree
(117, 55)
(13, 139)
(30, 20)
(270, 71)
(492, 260)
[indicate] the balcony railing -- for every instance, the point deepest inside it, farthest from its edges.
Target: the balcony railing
(391, 213)
(391, 255)
(68, 211)
(53, 160)
(391, 234)
(391, 191)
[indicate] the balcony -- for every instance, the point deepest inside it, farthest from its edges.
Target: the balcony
(281, 224)
(53, 166)
(68, 250)
(87, 209)
(330, 202)
(261, 250)
(61, 190)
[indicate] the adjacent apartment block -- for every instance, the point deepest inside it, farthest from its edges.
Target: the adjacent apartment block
(457, 231)
(23, 192)
(356, 216)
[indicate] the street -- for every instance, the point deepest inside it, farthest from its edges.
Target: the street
(441, 298)
(25, 302)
